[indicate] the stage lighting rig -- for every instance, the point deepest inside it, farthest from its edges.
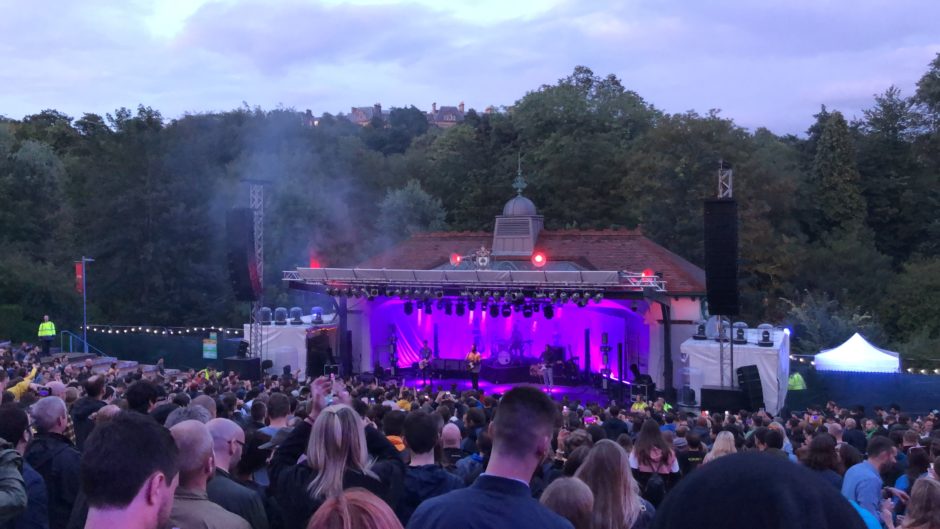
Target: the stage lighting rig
(461, 308)
(494, 310)
(548, 311)
(409, 308)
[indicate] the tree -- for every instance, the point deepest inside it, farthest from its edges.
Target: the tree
(893, 181)
(409, 210)
(819, 322)
(839, 197)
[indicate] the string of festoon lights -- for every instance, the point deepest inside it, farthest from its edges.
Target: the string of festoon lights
(161, 330)
(809, 359)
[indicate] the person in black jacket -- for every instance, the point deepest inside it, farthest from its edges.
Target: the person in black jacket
(614, 426)
(501, 498)
(54, 456)
(85, 407)
(424, 478)
(330, 467)
(228, 441)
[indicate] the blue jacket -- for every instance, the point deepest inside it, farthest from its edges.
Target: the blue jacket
(37, 508)
(422, 483)
(490, 503)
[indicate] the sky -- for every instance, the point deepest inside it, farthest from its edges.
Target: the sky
(768, 63)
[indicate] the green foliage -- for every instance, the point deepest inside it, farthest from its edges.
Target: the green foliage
(911, 303)
(843, 220)
(820, 322)
(409, 210)
(840, 200)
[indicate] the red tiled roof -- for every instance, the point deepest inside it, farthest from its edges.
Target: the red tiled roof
(591, 249)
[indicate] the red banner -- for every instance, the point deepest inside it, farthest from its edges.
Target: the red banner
(79, 276)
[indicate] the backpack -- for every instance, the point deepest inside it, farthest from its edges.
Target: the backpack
(655, 489)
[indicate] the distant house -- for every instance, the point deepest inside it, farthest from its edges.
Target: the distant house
(364, 115)
(445, 116)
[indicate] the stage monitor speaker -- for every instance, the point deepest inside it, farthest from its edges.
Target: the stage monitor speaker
(242, 266)
(750, 384)
(721, 256)
(319, 354)
(245, 368)
(720, 400)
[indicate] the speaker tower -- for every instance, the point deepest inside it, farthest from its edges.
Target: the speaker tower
(242, 266)
(721, 256)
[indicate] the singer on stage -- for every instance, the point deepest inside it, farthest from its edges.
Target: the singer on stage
(473, 364)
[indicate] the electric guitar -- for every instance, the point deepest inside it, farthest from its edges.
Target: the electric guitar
(423, 364)
(537, 370)
(472, 365)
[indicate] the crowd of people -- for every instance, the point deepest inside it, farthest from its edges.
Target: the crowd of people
(94, 447)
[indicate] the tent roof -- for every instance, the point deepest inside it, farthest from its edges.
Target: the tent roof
(857, 354)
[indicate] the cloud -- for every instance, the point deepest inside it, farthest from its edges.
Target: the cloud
(769, 63)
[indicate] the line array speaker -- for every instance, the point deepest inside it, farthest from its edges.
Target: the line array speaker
(242, 266)
(721, 256)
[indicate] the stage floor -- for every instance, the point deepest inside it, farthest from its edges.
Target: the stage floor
(585, 393)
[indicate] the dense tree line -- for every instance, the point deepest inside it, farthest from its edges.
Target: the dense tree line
(839, 229)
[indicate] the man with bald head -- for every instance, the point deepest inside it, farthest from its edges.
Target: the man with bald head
(192, 508)
(228, 443)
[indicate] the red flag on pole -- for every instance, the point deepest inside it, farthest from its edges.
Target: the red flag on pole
(79, 273)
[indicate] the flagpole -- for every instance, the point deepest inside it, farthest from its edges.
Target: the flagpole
(85, 303)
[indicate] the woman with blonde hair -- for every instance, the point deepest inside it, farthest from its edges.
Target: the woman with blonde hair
(617, 501)
(572, 499)
(328, 453)
(354, 509)
(923, 511)
(724, 445)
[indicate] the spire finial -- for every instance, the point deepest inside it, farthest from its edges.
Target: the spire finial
(519, 183)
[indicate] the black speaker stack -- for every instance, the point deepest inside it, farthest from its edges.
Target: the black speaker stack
(749, 382)
(721, 256)
(242, 266)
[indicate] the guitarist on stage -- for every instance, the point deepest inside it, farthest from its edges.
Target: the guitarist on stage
(424, 364)
(473, 365)
(548, 360)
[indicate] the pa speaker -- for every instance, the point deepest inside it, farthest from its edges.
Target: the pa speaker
(242, 266)
(721, 256)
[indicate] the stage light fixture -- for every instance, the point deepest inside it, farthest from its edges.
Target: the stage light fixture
(487, 294)
(494, 310)
(427, 307)
(471, 305)
(516, 295)
(575, 296)
(548, 311)
(552, 295)
(527, 311)
(427, 292)
(440, 304)
(373, 292)
(448, 308)
(407, 293)
(476, 294)
(409, 308)
(461, 308)
(564, 297)
(598, 297)
(582, 302)
(439, 294)
(507, 311)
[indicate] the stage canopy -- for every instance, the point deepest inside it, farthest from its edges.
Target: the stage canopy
(857, 354)
(705, 365)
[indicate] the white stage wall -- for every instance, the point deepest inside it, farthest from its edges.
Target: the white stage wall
(773, 364)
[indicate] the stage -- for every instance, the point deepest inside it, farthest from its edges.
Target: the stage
(585, 393)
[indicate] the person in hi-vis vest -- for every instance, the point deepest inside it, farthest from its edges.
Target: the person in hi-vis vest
(46, 334)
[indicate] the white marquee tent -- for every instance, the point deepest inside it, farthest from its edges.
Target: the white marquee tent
(856, 354)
